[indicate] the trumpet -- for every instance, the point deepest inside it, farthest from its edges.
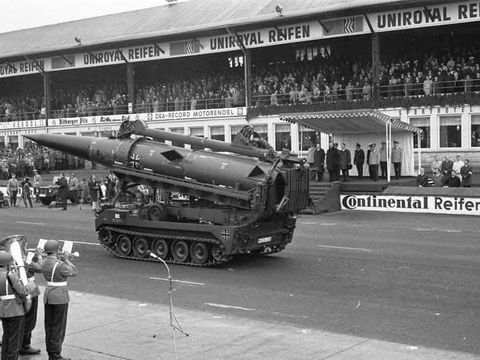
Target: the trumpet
(70, 256)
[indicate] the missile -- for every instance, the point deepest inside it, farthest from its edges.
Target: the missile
(142, 153)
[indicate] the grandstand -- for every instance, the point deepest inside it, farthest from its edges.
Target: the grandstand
(206, 67)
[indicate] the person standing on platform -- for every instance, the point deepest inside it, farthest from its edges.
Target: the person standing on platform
(383, 160)
(12, 190)
(330, 160)
(374, 160)
(56, 298)
(12, 311)
(358, 160)
(344, 161)
(310, 161)
(318, 162)
(397, 160)
(466, 173)
(368, 161)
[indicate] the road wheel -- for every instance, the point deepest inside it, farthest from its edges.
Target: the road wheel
(157, 213)
(105, 237)
(180, 250)
(140, 247)
(160, 248)
(218, 253)
(199, 252)
(124, 244)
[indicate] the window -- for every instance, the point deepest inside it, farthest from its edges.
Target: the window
(308, 137)
(283, 137)
(475, 130)
(177, 131)
(234, 130)
(450, 131)
(424, 125)
(196, 131)
(261, 130)
(217, 133)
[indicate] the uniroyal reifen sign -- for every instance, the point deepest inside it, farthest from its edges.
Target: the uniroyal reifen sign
(410, 18)
(453, 205)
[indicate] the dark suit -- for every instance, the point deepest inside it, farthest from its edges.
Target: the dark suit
(56, 301)
(318, 160)
(359, 160)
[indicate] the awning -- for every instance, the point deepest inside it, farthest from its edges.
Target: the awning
(348, 122)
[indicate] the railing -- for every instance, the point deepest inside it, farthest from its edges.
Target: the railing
(392, 95)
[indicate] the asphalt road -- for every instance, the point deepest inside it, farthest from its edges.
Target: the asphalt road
(406, 278)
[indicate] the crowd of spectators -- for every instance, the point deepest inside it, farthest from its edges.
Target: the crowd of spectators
(22, 162)
(447, 173)
(326, 77)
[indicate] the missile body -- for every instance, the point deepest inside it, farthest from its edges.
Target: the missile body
(204, 166)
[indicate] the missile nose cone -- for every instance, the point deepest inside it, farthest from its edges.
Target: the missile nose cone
(74, 145)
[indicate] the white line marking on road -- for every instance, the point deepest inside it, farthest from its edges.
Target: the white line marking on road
(229, 307)
(436, 229)
(29, 223)
(344, 248)
(179, 281)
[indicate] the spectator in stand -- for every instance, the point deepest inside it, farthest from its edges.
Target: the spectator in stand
(422, 178)
(436, 164)
(466, 171)
(457, 166)
(453, 180)
(447, 165)
(438, 178)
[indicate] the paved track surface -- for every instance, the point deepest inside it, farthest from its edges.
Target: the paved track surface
(402, 278)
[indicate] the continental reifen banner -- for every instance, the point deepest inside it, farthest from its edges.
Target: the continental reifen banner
(457, 205)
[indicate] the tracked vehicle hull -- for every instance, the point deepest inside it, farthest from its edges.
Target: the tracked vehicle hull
(127, 234)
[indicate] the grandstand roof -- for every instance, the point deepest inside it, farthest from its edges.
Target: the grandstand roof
(348, 122)
(195, 16)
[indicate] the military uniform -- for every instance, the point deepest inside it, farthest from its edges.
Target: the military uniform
(31, 315)
(56, 301)
(11, 308)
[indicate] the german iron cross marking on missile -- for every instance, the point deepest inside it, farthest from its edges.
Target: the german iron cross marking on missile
(226, 235)
(135, 161)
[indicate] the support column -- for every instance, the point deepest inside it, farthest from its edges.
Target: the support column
(131, 86)
(375, 67)
(247, 65)
(46, 93)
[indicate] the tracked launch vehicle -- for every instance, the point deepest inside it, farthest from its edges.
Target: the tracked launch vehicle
(238, 198)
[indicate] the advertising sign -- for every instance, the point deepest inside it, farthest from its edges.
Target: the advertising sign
(452, 205)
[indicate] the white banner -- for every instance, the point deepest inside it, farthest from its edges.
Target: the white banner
(454, 13)
(161, 116)
(22, 124)
(452, 205)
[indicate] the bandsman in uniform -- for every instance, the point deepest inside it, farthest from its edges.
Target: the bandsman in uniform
(56, 298)
(31, 315)
(12, 313)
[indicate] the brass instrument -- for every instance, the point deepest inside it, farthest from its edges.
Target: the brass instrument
(16, 246)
